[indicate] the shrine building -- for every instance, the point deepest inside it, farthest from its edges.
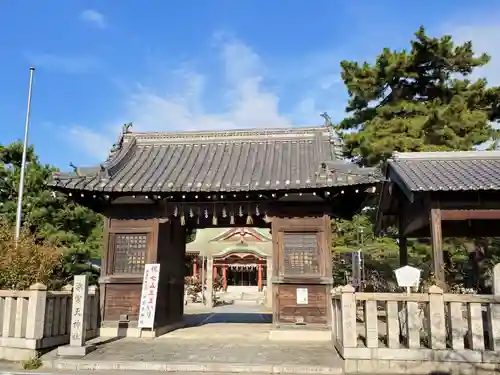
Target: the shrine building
(241, 258)
(283, 185)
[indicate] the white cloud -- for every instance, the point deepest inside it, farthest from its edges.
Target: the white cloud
(64, 64)
(94, 18)
(241, 98)
(248, 103)
(485, 39)
(96, 145)
(484, 32)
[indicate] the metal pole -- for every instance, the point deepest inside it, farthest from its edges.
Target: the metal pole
(23, 160)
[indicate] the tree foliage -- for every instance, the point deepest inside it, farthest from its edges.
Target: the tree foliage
(380, 254)
(418, 99)
(50, 218)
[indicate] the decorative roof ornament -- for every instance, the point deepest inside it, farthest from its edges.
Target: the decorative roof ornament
(332, 134)
(76, 170)
(328, 120)
(103, 172)
(126, 128)
(118, 145)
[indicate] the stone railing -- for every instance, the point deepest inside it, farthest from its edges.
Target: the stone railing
(416, 333)
(37, 319)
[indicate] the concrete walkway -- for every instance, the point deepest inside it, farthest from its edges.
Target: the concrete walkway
(222, 340)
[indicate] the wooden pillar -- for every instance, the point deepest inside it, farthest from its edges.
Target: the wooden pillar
(437, 248)
(170, 255)
(215, 273)
(259, 277)
(195, 266)
(120, 284)
(224, 277)
(210, 282)
(403, 251)
(269, 284)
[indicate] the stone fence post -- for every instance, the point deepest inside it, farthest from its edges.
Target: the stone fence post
(336, 319)
(36, 311)
(437, 318)
(348, 313)
(496, 280)
(93, 309)
(494, 311)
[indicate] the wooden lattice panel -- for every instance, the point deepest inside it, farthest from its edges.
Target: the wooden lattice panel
(301, 254)
(130, 253)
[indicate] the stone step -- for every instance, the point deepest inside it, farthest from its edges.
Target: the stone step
(222, 331)
(206, 368)
(246, 302)
(204, 354)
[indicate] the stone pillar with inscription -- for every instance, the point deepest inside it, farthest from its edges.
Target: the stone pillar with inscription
(77, 346)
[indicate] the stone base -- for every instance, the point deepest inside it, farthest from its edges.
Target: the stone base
(124, 330)
(16, 354)
(75, 351)
(385, 367)
(292, 335)
(419, 361)
(159, 331)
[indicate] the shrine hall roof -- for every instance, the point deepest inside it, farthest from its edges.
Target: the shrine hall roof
(212, 161)
(445, 171)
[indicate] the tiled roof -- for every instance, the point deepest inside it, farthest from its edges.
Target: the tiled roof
(242, 160)
(446, 171)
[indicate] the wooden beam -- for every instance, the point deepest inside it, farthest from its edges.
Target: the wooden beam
(458, 215)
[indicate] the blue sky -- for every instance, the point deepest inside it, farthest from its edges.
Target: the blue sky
(199, 64)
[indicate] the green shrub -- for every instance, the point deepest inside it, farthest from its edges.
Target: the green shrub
(28, 261)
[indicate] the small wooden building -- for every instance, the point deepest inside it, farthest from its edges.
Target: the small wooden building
(441, 194)
(155, 185)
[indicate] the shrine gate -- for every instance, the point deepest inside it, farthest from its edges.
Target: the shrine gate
(156, 186)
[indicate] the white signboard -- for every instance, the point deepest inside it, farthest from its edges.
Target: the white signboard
(408, 276)
(148, 295)
(302, 296)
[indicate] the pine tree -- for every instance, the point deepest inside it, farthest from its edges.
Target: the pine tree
(420, 99)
